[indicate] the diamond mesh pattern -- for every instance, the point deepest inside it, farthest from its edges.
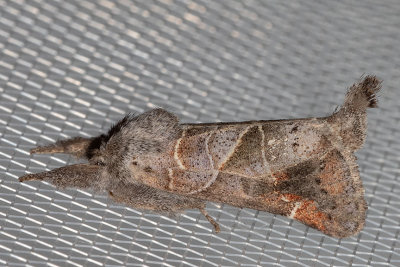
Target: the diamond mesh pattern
(71, 68)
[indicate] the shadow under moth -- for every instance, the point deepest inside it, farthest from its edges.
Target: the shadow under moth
(301, 168)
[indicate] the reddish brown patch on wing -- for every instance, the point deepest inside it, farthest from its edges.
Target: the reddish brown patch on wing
(274, 203)
(333, 173)
(280, 176)
(309, 214)
(291, 197)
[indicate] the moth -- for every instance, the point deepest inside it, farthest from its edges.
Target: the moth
(301, 168)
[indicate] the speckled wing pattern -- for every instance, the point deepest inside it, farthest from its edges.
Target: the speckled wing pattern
(304, 168)
(288, 167)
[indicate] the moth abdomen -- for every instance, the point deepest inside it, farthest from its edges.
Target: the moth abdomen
(351, 119)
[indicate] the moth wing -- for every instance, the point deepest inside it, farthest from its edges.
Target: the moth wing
(248, 150)
(190, 182)
(329, 198)
(322, 192)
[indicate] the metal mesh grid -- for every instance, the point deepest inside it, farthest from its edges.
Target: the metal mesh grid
(71, 68)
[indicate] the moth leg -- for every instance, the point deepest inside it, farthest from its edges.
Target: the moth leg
(211, 220)
(76, 146)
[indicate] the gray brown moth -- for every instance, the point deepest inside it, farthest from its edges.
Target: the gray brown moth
(301, 168)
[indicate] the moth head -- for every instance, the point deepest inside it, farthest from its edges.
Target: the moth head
(132, 136)
(96, 151)
(111, 154)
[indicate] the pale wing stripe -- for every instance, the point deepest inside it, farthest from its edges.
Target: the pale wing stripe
(171, 178)
(208, 150)
(266, 165)
(176, 155)
(294, 210)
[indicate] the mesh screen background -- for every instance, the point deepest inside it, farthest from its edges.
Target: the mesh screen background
(70, 68)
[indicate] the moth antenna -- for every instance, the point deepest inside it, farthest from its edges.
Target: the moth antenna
(211, 220)
(76, 146)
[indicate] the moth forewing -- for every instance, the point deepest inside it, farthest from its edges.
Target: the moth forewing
(303, 168)
(289, 167)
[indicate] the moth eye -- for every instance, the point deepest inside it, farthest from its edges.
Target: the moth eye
(98, 161)
(148, 169)
(134, 163)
